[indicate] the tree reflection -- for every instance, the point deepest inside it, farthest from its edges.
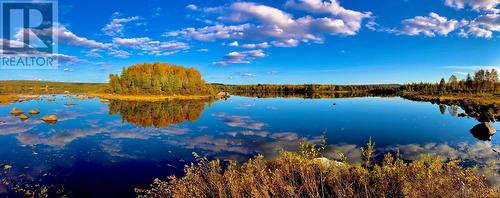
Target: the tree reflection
(442, 108)
(158, 114)
(308, 94)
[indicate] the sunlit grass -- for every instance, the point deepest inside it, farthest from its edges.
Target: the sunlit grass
(306, 174)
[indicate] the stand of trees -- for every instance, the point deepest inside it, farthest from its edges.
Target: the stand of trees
(158, 79)
(482, 81)
(304, 89)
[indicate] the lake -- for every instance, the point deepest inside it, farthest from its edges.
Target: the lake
(106, 149)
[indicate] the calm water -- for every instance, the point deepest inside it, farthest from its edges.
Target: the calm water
(106, 149)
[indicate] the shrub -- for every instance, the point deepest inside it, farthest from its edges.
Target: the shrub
(304, 175)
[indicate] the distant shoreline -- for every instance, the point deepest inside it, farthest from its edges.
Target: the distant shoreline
(151, 98)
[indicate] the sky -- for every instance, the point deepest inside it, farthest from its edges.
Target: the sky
(278, 41)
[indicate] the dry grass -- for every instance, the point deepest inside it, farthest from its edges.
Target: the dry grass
(476, 98)
(304, 175)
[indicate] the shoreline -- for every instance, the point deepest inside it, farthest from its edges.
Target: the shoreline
(149, 98)
(484, 107)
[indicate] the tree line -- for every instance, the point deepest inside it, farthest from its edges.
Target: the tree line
(481, 81)
(305, 88)
(158, 78)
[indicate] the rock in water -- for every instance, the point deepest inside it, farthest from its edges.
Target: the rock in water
(15, 111)
(23, 117)
(50, 119)
(34, 112)
(483, 131)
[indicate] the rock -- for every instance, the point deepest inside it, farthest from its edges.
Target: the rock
(462, 115)
(334, 103)
(51, 99)
(222, 94)
(34, 112)
(104, 100)
(68, 104)
(23, 117)
(483, 131)
(326, 162)
(66, 92)
(81, 98)
(15, 111)
(50, 119)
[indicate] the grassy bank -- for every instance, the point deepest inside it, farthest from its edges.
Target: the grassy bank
(475, 98)
(305, 175)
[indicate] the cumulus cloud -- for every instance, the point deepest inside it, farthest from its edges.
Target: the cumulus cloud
(477, 5)
(262, 22)
(430, 26)
(351, 18)
(65, 36)
(244, 57)
(117, 25)
(483, 26)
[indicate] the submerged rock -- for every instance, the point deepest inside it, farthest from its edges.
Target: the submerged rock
(50, 119)
(23, 117)
(51, 99)
(34, 112)
(15, 111)
(68, 104)
(483, 131)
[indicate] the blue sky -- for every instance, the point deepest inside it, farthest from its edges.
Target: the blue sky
(281, 41)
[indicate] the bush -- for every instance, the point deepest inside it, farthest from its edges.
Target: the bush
(304, 175)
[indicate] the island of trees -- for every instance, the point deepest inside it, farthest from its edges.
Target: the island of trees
(158, 79)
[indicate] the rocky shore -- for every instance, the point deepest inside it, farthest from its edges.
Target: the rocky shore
(484, 108)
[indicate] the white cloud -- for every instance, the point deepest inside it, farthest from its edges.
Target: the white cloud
(483, 26)
(351, 18)
(234, 44)
(151, 47)
(210, 33)
(65, 36)
(477, 5)
(252, 21)
(430, 26)
(192, 7)
(117, 25)
(244, 57)
(94, 53)
(286, 43)
(256, 45)
(119, 53)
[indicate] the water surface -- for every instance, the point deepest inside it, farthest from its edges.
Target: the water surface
(101, 149)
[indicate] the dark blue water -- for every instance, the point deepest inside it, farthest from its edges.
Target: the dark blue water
(101, 149)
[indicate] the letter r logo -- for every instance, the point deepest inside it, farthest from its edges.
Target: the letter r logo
(27, 26)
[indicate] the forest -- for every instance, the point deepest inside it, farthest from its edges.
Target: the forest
(158, 79)
(481, 82)
(304, 89)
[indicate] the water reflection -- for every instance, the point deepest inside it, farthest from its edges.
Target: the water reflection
(310, 94)
(483, 131)
(158, 114)
(151, 139)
